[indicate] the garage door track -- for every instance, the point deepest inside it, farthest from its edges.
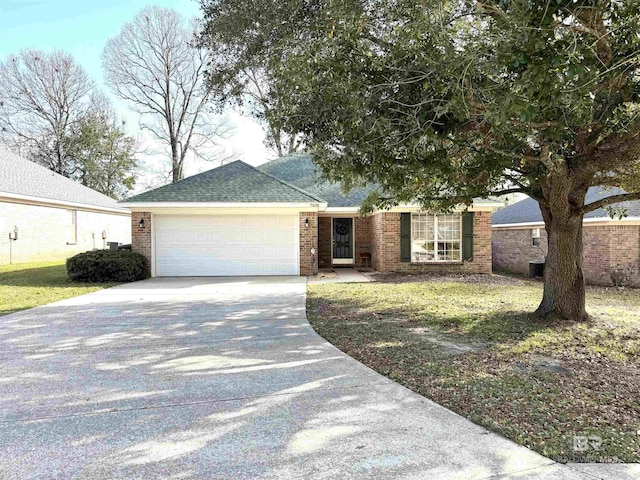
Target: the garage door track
(218, 378)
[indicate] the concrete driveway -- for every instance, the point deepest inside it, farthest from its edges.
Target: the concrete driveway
(218, 378)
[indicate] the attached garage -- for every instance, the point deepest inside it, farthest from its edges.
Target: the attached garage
(214, 245)
(233, 220)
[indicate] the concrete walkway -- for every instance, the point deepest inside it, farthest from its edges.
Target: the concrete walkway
(342, 275)
(219, 378)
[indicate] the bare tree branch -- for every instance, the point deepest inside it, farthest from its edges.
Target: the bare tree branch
(153, 64)
(42, 96)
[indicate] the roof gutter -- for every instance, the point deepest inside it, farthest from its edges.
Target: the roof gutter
(50, 202)
(540, 223)
(141, 206)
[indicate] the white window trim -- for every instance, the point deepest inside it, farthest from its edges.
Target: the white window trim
(535, 234)
(74, 227)
(435, 239)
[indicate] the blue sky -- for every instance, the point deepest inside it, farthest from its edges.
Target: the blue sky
(82, 28)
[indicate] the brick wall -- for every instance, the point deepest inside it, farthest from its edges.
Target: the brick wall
(363, 240)
(46, 233)
(308, 240)
(141, 237)
(605, 246)
(324, 242)
(386, 247)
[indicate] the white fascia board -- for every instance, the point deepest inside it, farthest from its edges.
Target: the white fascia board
(50, 202)
(476, 206)
(195, 207)
(589, 221)
(329, 210)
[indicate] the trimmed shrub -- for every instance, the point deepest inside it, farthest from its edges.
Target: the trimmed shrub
(627, 276)
(107, 266)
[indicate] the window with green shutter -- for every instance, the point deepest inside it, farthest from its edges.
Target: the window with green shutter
(467, 236)
(405, 237)
(435, 237)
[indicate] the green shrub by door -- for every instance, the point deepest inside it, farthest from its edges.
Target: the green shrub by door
(107, 266)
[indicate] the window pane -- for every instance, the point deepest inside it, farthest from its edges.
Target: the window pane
(422, 232)
(427, 245)
(449, 238)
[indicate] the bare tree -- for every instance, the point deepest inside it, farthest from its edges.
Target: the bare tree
(41, 97)
(154, 64)
(265, 107)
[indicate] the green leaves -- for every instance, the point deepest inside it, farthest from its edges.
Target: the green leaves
(446, 101)
(103, 155)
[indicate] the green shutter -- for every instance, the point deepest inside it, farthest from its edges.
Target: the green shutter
(467, 236)
(405, 237)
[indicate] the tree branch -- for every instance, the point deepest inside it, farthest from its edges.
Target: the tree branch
(624, 197)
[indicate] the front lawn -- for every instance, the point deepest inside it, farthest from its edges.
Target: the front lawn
(28, 285)
(470, 344)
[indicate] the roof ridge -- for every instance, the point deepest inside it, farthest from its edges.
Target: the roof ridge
(283, 182)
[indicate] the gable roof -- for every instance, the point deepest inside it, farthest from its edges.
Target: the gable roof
(235, 182)
(298, 169)
(19, 176)
(528, 210)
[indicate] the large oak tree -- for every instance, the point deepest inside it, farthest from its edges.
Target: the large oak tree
(444, 101)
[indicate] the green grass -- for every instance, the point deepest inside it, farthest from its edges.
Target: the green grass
(28, 285)
(476, 349)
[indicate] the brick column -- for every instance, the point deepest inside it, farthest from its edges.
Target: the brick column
(324, 242)
(386, 241)
(482, 252)
(308, 240)
(141, 237)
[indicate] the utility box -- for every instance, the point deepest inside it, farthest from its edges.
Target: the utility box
(536, 268)
(113, 245)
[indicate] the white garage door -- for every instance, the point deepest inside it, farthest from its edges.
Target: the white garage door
(208, 245)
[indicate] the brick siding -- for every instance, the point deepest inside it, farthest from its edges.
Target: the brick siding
(46, 232)
(363, 240)
(324, 242)
(141, 237)
(308, 240)
(385, 228)
(605, 247)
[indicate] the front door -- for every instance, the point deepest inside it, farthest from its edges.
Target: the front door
(343, 241)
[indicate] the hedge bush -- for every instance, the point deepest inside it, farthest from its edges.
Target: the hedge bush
(107, 266)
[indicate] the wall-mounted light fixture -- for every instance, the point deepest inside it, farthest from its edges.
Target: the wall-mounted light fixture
(306, 222)
(141, 224)
(13, 236)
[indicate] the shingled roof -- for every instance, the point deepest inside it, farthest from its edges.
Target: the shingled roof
(19, 176)
(528, 210)
(236, 182)
(299, 170)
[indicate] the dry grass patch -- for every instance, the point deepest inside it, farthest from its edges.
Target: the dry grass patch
(473, 347)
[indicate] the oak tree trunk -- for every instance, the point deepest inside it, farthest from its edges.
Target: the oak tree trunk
(564, 287)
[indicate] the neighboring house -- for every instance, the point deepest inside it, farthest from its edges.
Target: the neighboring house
(279, 219)
(54, 216)
(519, 237)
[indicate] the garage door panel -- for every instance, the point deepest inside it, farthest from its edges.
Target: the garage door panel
(209, 245)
